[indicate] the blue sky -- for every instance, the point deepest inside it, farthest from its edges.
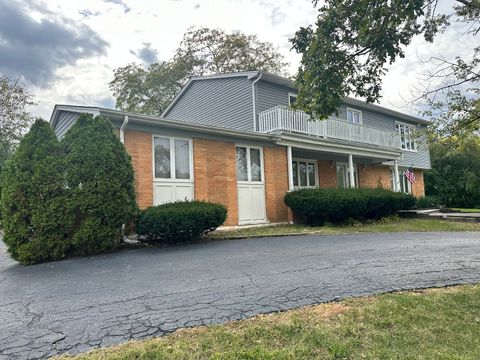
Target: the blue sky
(66, 51)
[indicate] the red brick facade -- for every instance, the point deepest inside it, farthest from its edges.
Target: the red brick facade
(215, 175)
(276, 183)
(139, 146)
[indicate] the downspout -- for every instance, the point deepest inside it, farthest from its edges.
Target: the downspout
(254, 102)
(122, 129)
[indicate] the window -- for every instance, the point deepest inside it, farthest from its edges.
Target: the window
(354, 116)
(171, 158)
(249, 164)
(407, 136)
(343, 177)
(405, 185)
(304, 173)
(292, 99)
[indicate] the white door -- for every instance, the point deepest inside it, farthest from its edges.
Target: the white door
(250, 185)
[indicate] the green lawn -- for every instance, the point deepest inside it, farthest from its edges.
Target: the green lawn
(381, 226)
(467, 210)
(430, 324)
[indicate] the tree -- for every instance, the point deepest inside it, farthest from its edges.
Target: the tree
(213, 51)
(148, 91)
(36, 223)
(202, 51)
(14, 118)
(354, 40)
(99, 176)
(455, 174)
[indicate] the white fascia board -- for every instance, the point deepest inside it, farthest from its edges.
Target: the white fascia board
(336, 148)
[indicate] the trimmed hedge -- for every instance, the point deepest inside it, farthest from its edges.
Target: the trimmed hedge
(35, 217)
(181, 221)
(316, 206)
(428, 202)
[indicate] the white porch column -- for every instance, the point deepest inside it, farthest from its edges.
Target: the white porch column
(351, 171)
(396, 176)
(289, 168)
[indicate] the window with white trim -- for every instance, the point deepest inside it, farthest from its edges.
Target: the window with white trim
(292, 99)
(354, 116)
(407, 136)
(405, 185)
(249, 163)
(304, 173)
(172, 158)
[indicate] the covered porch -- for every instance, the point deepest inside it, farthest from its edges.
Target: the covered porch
(334, 165)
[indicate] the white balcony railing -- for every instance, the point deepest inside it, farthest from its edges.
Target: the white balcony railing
(282, 118)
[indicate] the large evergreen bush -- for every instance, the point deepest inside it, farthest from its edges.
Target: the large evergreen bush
(181, 221)
(316, 206)
(100, 180)
(36, 222)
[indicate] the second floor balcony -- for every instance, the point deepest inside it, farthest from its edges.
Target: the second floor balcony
(284, 119)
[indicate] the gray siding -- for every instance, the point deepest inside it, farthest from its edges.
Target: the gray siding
(417, 159)
(224, 102)
(269, 95)
(65, 121)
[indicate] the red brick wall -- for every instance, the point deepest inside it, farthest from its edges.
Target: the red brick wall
(374, 176)
(418, 188)
(139, 146)
(215, 175)
(327, 174)
(276, 183)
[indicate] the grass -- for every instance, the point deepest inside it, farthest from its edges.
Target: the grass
(430, 324)
(467, 210)
(385, 226)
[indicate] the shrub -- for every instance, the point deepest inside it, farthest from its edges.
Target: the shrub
(101, 184)
(426, 202)
(315, 206)
(182, 221)
(35, 219)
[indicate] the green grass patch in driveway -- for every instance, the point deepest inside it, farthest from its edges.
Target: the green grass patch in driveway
(429, 324)
(397, 225)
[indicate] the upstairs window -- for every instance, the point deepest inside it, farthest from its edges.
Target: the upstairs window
(292, 99)
(354, 116)
(407, 136)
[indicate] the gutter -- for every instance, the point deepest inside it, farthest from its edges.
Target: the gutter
(254, 101)
(122, 129)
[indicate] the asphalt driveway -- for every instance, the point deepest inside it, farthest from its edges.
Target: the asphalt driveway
(77, 304)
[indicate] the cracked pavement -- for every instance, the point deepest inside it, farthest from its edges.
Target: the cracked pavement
(82, 303)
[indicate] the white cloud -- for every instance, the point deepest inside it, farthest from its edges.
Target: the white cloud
(161, 25)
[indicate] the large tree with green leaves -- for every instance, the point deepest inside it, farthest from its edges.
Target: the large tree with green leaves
(35, 217)
(353, 41)
(202, 51)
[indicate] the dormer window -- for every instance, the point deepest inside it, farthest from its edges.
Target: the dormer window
(292, 99)
(354, 116)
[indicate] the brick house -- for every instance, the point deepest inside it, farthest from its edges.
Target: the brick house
(234, 139)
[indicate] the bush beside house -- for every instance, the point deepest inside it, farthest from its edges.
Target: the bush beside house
(100, 180)
(35, 217)
(180, 221)
(317, 206)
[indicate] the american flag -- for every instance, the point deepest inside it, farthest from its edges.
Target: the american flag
(410, 175)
